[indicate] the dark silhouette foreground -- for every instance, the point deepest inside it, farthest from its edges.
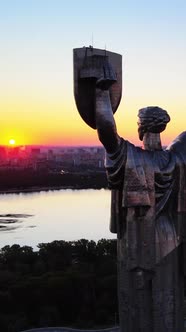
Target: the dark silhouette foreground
(62, 284)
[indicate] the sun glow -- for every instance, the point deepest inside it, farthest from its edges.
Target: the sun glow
(12, 141)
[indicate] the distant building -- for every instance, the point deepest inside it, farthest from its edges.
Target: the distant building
(35, 152)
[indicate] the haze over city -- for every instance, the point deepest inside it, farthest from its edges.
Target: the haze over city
(36, 82)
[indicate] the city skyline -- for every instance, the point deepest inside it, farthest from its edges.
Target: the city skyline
(36, 84)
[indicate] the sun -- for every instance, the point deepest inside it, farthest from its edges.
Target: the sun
(12, 141)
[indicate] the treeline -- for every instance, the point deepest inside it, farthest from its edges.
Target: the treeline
(28, 179)
(62, 284)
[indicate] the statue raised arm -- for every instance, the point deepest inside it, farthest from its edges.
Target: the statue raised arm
(105, 123)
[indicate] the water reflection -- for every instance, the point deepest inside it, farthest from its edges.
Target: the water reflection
(10, 221)
(32, 218)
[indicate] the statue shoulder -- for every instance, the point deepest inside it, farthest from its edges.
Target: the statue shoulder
(178, 146)
(120, 149)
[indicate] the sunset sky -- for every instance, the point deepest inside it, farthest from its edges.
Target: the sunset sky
(36, 65)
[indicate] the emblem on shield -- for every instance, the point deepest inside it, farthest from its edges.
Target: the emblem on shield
(90, 65)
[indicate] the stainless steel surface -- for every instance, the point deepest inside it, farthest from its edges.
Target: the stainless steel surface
(148, 210)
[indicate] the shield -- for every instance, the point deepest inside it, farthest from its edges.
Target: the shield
(90, 64)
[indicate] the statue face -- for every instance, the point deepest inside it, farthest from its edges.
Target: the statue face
(140, 131)
(138, 122)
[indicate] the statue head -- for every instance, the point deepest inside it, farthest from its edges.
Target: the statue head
(152, 119)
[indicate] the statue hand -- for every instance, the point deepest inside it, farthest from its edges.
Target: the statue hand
(108, 77)
(99, 73)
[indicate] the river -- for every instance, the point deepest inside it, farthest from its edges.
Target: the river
(32, 218)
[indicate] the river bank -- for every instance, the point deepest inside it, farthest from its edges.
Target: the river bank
(27, 181)
(49, 188)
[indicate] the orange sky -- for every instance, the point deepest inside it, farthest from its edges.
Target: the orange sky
(59, 124)
(36, 82)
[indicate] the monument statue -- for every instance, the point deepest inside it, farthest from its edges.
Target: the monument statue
(148, 198)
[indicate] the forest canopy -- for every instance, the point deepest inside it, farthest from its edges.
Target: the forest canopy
(63, 283)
